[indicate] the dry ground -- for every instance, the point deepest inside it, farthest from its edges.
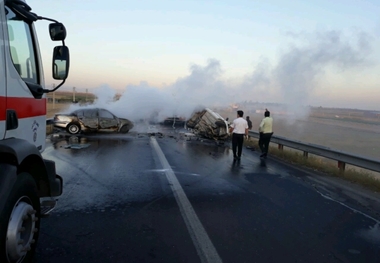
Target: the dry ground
(53, 109)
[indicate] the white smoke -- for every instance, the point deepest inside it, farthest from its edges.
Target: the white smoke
(105, 97)
(290, 82)
(203, 87)
(302, 65)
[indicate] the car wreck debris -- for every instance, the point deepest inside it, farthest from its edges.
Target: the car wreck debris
(92, 120)
(208, 124)
(76, 146)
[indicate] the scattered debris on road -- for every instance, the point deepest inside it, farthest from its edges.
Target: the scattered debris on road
(76, 146)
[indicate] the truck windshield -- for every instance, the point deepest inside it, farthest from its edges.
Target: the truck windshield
(22, 47)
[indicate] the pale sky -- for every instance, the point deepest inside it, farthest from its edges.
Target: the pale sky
(319, 53)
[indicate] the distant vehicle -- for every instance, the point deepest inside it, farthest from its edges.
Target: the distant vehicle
(208, 124)
(92, 120)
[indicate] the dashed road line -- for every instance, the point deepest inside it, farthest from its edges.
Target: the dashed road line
(201, 240)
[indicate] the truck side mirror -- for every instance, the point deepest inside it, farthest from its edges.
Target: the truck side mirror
(61, 62)
(57, 31)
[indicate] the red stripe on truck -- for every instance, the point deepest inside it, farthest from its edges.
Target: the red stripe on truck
(25, 107)
(2, 108)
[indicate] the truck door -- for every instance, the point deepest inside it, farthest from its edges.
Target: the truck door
(2, 90)
(23, 72)
(2, 82)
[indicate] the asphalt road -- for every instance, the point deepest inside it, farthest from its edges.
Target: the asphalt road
(142, 198)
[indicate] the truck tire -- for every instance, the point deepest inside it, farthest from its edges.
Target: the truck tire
(20, 221)
(73, 128)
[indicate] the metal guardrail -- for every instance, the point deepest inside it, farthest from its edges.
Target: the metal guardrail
(342, 157)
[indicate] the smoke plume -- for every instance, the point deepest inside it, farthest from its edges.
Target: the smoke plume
(291, 81)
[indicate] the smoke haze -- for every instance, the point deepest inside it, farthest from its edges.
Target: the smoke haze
(291, 81)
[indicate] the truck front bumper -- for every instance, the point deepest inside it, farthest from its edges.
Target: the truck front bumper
(55, 181)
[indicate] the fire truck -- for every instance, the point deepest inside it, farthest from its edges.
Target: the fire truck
(29, 184)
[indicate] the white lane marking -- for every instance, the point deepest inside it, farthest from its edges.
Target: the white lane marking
(201, 240)
(349, 207)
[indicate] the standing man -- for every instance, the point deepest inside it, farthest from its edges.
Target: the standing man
(266, 131)
(249, 126)
(238, 128)
(249, 123)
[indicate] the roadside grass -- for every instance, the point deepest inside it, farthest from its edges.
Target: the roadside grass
(329, 167)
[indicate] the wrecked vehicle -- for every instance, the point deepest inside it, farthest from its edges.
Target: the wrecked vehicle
(208, 124)
(175, 121)
(92, 120)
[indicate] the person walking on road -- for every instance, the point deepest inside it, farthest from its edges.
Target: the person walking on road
(266, 132)
(238, 128)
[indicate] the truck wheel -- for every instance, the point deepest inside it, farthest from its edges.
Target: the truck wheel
(19, 221)
(73, 128)
(124, 129)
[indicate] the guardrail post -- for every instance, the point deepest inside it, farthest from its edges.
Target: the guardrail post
(341, 166)
(281, 147)
(305, 154)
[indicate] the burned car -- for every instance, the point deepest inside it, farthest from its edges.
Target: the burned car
(92, 120)
(208, 124)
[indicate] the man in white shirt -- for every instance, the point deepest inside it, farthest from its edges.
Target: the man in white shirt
(238, 128)
(266, 131)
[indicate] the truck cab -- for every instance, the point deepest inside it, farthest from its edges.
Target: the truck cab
(28, 182)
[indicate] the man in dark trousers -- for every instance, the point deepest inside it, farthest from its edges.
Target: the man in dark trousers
(238, 128)
(266, 131)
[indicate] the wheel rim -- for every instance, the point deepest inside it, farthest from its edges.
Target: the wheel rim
(73, 128)
(21, 229)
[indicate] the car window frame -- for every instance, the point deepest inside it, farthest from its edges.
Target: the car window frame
(104, 110)
(93, 111)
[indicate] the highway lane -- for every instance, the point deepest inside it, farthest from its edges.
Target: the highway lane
(118, 206)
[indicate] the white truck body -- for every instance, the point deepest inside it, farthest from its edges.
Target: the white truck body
(28, 183)
(14, 93)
